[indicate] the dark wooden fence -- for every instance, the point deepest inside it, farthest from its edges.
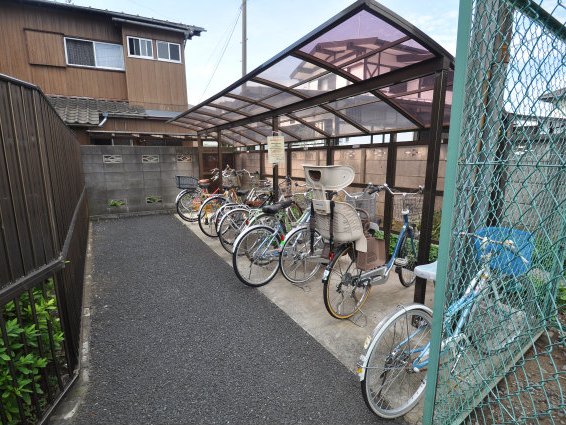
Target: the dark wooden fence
(43, 236)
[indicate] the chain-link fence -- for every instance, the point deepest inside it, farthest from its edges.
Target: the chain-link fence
(503, 285)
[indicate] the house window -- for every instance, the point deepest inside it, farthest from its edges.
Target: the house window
(170, 52)
(140, 47)
(94, 54)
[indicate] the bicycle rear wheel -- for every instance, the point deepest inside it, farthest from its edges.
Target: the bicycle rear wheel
(255, 257)
(188, 205)
(297, 263)
(344, 292)
(231, 226)
(207, 213)
(390, 385)
(406, 260)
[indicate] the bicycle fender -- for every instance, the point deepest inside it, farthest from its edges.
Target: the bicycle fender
(181, 193)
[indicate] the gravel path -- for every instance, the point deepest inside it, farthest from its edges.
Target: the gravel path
(175, 338)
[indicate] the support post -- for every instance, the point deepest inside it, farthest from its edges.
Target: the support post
(200, 159)
(220, 166)
(433, 159)
(390, 172)
(261, 161)
(288, 157)
(275, 128)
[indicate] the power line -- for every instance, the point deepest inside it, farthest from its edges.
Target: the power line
(221, 55)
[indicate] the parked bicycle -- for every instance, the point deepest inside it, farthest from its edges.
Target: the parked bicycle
(392, 369)
(255, 256)
(193, 193)
(348, 278)
(233, 219)
(233, 195)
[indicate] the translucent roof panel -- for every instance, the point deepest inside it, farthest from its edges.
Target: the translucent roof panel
(291, 71)
(253, 90)
(389, 118)
(229, 103)
(280, 99)
(366, 70)
(365, 31)
(301, 131)
(253, 110)
(387, 60)
(323, 84)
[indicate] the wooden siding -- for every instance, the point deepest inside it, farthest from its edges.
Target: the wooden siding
(33, 36)
(144, 126)
(155, 84)
(45, 48)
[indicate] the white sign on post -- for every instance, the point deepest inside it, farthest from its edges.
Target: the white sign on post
(275, 149)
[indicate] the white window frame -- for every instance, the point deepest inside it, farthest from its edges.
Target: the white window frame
(168, 51)
(141, 39)
(94, 43)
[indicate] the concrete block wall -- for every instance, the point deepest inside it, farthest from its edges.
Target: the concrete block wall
(131, 179)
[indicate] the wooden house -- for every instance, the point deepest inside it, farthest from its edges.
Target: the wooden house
(114, 78)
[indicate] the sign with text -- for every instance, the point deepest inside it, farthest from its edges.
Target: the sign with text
(275, 149)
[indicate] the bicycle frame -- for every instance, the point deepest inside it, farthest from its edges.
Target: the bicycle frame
(405, 230)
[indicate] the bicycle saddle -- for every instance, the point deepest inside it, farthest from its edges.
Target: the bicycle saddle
(204, 182)
(272, 209)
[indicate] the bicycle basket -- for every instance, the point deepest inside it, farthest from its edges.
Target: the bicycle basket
(503, 260)
(186, 182)
(364, 201)
(413, 202)
(303, 199)
(230, 180)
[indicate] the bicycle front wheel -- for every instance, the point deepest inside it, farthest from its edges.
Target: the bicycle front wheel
(406, 260)
(390, 385)
(255, 257)
(297, 263)
(344, 291)
(231, 226)
(207, 215)
(188, 205)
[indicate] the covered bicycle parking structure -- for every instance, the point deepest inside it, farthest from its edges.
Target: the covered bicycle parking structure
(366, 78)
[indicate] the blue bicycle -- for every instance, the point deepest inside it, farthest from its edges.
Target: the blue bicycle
(393, 368)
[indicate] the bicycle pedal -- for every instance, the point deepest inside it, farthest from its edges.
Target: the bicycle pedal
(401, 262)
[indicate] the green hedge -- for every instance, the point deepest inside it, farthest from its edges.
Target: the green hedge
(22, 352)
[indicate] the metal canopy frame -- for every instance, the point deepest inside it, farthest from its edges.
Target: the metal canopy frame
(365, 71)
(374, 63)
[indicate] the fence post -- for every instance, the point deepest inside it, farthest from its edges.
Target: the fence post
(464, 27)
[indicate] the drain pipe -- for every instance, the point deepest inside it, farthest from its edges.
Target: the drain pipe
(105, 117)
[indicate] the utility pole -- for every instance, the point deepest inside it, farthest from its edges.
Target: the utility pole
(244, 38)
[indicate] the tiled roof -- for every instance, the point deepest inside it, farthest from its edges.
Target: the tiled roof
(89, 111)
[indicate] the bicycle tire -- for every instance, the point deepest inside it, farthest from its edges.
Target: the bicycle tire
(207, 213)
(231, 225)
(223, 210)
(255, 257)
(390, 386)
(188, 205)
(343, 294)
(295, 262)
(408, 257)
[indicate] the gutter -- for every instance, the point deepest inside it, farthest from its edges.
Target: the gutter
(187, 34)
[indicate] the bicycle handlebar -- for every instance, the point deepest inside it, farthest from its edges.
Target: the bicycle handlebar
(507, 244)
(391, 192)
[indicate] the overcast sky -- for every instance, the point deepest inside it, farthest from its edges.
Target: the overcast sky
(272, 26)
